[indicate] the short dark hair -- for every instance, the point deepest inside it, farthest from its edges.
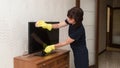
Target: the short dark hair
(77, 14)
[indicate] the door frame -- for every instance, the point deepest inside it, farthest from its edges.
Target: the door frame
(97, 34)
(111, 27)
(77, 3)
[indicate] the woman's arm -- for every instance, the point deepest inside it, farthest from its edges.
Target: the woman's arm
(59, 25)
(68, 41)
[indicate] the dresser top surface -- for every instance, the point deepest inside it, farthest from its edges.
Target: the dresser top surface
(38, 59)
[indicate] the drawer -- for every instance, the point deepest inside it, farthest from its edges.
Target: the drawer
(59, 62)
(47, 64)
(64, 66)
(63, 60)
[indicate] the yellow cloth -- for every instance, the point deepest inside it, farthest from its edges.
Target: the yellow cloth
(44, 25)
(49, 48)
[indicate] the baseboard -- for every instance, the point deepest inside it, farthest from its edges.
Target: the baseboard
(102, 52)
(92, 66)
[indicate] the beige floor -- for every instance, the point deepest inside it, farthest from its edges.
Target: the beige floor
(109, 59)
(113, 49)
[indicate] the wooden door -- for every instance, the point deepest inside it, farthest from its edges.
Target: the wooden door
(77, 3)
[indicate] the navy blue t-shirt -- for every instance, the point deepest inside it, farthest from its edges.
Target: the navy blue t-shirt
(78, 34)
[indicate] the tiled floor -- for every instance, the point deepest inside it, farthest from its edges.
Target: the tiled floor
(109, 59)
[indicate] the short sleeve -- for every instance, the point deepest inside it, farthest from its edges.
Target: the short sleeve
(67, 22)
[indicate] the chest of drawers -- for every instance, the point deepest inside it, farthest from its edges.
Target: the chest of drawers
(58, 59)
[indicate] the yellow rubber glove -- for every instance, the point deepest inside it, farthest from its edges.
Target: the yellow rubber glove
(49, 49)
(44, 25)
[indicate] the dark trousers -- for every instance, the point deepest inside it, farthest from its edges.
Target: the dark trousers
(81, 57)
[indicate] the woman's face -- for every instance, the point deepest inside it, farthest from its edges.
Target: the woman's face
(71, 20)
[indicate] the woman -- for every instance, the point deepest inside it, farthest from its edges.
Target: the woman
(76, 39)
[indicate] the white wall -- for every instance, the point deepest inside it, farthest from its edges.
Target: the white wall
(14, 18)
(88, 7)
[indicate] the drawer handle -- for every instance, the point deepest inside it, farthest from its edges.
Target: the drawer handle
(43, 64)
(66, 66)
